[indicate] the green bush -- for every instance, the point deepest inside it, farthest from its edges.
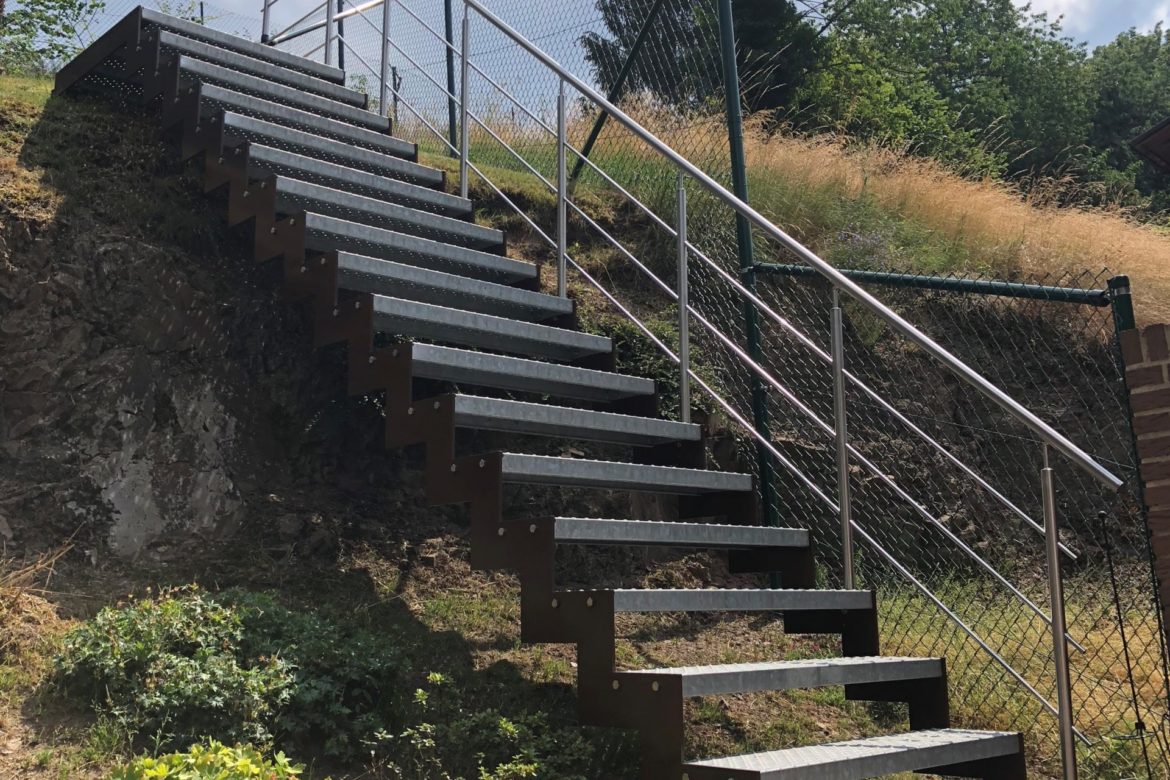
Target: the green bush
(171, 669)
(236, 666)
(214, 761)
(449, 742)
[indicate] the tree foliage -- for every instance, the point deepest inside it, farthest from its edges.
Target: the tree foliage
(42, 33)
(986, 85)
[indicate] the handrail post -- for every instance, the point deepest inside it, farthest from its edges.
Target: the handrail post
(449, 34)
(562, 196)
(684, 317)
(464, 76)
(384, 74)
(330, 31)
(341, 35)
(1068, 749)
(265, 20)
(840, 415)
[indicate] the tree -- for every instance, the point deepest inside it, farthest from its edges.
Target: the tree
(679, 64)
(996, 65)
(38, 35)
(1130, 80)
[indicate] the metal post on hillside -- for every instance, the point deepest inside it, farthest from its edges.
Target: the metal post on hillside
(743, 235)
(385, 73)
(265, 19)
(330, 31)
(341, 36)
(449, 32)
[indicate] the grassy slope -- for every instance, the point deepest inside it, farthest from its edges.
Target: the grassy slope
(408, 578)
(905, 213)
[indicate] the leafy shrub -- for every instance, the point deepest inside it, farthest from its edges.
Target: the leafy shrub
(214, 761)
(345, 678)
(237, 666)
(448, 742)
(170, 668)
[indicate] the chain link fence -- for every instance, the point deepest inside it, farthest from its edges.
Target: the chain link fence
(945, 484)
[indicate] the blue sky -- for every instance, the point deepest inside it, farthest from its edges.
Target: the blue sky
(1093, 21)
(1099, 21)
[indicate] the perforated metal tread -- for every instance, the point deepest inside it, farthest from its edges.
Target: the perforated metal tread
(496, 414)
(740, 600)
(241, 127)
(210, 73)
(295, 195)
(480, 369)
(574, 472)
(456, 326)
(242, 45)
(214, 97)
(385, 277)
(280, 74)
(588, 530)
(263, 159)
(326, 234)
(786, 675)
(861, 758)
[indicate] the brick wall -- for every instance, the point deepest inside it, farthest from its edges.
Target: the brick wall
(1147, 374)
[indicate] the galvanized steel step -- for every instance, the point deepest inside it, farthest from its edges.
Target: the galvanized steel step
(496, 414)
(181, 44)
(788, 675)
(215, 97)
(481, 369)
(573, 472)
(294, 195)
(741, 600)
(263, 159)
(861, 758)
(588, 530)
(456, 326)
(318, 147)
(254, 86)
(242, 46)
(327, 234)
(385, 277)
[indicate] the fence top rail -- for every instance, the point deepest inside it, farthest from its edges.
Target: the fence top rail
(1045, 432)
(990, 287)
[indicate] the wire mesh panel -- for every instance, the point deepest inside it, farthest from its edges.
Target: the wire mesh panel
(957, 529)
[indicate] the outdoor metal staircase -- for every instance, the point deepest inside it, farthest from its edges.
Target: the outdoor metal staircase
(371, 244)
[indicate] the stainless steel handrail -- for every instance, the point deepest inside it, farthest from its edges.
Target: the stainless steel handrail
(727, 277)
(734, 413)
(1043, 430)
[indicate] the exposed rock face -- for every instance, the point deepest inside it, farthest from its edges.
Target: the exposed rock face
(155, 393)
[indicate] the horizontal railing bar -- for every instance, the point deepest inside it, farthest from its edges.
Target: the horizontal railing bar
(1042, 429)
(273, 40)
(990, 287)
(286, 36)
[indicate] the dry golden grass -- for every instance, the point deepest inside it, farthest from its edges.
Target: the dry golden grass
(990, 225)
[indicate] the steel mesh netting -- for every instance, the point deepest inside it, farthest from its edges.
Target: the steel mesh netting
(949, 532)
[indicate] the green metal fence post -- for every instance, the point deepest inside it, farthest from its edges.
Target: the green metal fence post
(1121, 299)
(615, 91)
(747, 267)
(449, 30)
